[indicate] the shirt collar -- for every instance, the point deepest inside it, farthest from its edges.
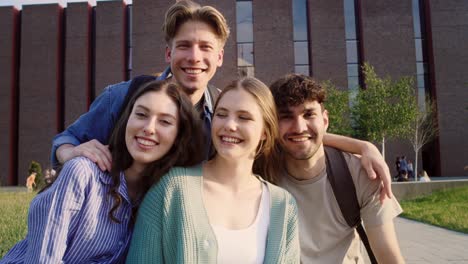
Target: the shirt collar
(207, 104)
(106, 179)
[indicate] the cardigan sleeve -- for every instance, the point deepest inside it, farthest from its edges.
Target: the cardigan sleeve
(292, 238)
(147, 240)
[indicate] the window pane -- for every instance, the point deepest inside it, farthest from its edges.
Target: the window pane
(350, 19)
(300, 19)
(419, 51)
(420, 80)
(351, 51)
(246, 71)
(353, 83)
(416, 19)
(244, 21)
(301, 69)
(421, 97)
(419, 68)
(353, 70)
(301, 53)
(245, 55)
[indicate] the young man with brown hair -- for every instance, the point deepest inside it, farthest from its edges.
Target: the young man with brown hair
(324, 235)
(195, 37)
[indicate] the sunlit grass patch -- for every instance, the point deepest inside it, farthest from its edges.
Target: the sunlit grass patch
(445, 208)
(13, 218)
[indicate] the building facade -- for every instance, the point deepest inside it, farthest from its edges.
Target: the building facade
(54, 61)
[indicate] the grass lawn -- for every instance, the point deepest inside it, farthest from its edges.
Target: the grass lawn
(13, 217)
(445, 208)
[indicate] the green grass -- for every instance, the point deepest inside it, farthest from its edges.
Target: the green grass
(445, 208)
(13, 217)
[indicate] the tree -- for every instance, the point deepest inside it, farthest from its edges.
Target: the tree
(337, 105)
(385, 108)
(422, 130)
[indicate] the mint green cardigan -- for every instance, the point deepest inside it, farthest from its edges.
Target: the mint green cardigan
(173, 227)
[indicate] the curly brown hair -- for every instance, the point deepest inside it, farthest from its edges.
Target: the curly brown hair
(295, 89)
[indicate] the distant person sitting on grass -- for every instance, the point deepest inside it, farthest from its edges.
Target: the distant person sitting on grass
(87, 215)
(403, 177)
(423, 177)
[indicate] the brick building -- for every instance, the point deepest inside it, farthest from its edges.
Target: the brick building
(54, 61)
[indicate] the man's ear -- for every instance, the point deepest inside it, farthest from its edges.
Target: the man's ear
(325, 118)
(168, 54)
(220, 57)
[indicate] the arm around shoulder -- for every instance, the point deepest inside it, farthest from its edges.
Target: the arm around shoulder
(372, 161)
(95, 124)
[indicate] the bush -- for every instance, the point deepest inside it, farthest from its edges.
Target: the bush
(36, 167)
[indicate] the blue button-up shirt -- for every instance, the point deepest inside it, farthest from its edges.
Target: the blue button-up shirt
(69, 221)
(104, 112)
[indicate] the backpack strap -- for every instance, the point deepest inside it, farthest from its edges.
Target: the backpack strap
(345, 193)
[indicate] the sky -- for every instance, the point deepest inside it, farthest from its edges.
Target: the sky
(19, 3)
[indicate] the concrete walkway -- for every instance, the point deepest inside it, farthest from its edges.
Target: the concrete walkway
(423, 243)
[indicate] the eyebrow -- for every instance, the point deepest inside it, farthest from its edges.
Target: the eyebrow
(305, 110)
(186, 41)
(148, 110)
(238, 111)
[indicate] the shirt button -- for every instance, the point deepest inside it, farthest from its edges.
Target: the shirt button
(206, 244)
(120, 243)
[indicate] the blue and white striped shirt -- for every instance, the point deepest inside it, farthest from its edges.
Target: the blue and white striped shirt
(69, 222)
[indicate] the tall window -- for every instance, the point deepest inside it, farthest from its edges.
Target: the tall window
(421, 64)
(301, 40)
(129, 42)
(245, 50)
(352, 42)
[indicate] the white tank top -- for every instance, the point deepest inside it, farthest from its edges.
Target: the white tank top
(245, 245)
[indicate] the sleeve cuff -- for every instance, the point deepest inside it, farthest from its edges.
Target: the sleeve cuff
(57, 142)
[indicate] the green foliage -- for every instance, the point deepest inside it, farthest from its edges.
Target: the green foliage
(14, 211)
(385, 108)
(337, 105)
(446, 208)
(36, 167)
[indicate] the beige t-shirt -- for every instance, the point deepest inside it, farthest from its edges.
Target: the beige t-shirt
(323, 232)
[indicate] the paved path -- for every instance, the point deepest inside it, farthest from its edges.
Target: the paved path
(423, 243)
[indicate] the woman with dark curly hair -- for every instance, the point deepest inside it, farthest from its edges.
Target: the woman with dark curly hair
(87, 215)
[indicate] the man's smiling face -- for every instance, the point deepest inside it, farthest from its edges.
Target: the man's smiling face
(194, 53)
(302, 128)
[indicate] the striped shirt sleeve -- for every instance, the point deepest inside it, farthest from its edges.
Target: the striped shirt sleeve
(52, 214)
